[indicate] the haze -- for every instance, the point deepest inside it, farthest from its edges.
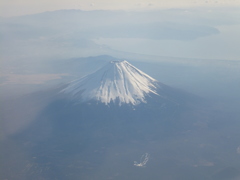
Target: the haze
(191, 46)
(17, 7)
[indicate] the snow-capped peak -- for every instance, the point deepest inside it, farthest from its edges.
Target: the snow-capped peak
(117, 81)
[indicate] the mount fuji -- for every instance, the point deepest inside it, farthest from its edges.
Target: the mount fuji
(116, 80)
(120, 83)
(116, 108)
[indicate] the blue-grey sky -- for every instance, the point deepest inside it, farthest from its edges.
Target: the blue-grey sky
(23, 7)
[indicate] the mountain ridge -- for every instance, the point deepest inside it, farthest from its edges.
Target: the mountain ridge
(116, 80)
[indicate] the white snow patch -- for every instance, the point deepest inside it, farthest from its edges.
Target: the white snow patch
(118, 80)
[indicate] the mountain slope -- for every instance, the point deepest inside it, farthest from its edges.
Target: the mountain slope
(117, 80)
(66, 134)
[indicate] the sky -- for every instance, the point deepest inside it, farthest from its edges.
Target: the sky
(23, 7)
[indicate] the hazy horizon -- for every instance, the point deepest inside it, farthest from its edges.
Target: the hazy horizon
(27, 7)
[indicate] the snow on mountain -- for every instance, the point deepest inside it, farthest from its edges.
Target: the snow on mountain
(117, 81)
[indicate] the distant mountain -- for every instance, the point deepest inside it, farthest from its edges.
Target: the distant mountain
(118, 82)
(116, 105)
(99, 23)
(118, 98)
